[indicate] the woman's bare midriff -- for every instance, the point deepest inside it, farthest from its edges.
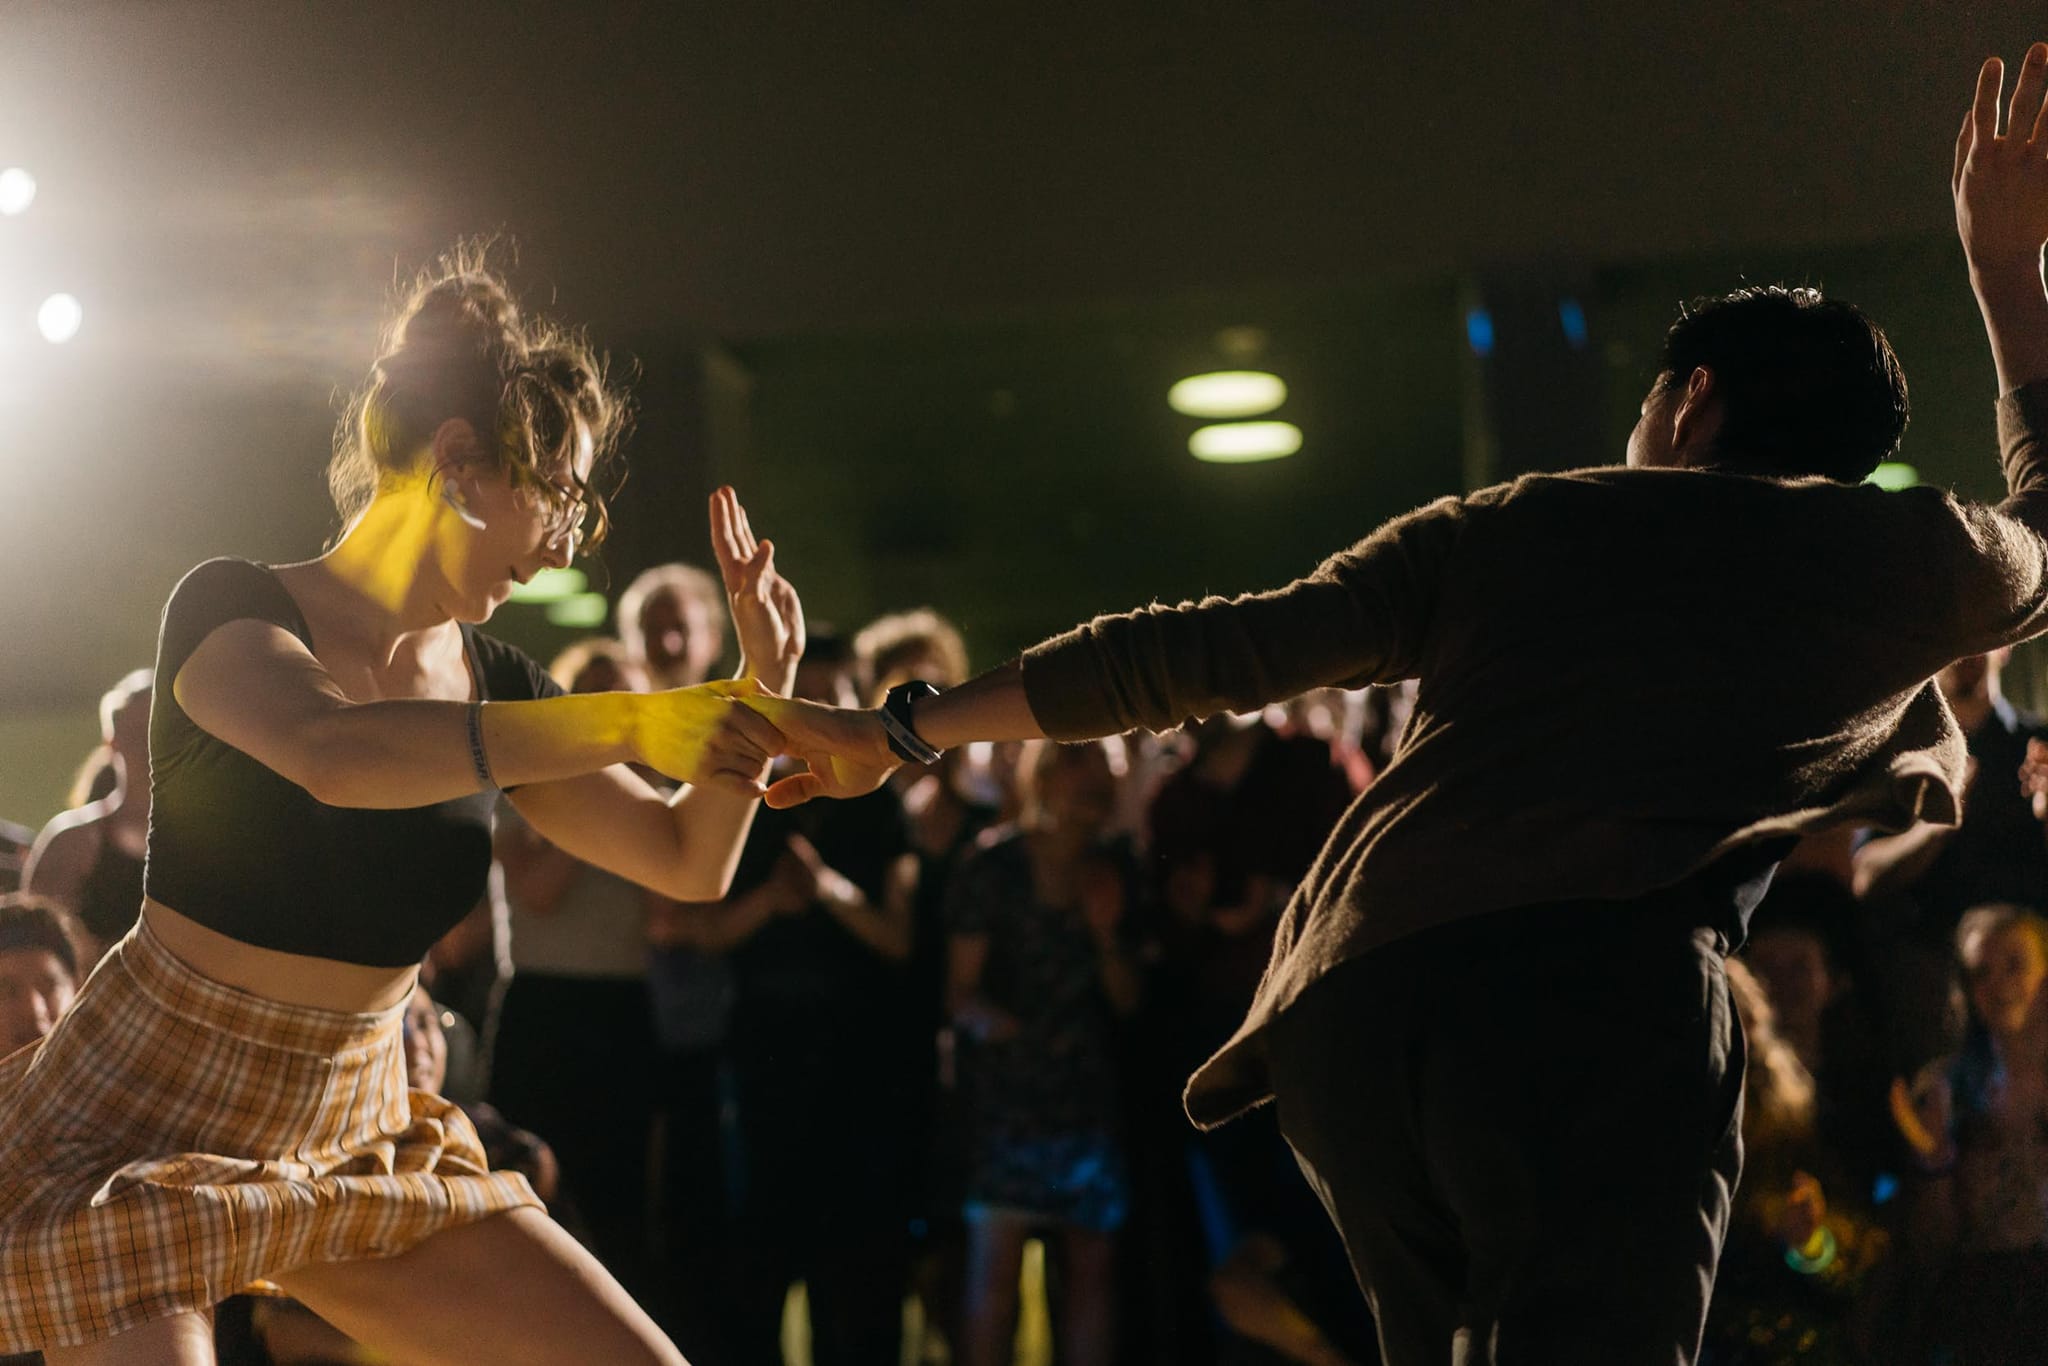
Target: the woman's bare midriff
(289, 978)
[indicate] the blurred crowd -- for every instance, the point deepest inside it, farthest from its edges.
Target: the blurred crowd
(924, 1062)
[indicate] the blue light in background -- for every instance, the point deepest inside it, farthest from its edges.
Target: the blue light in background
(1572, 319)
(1479, 331)
(1884, 1188)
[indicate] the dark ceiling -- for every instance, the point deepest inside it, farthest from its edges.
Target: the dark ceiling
(767, 168)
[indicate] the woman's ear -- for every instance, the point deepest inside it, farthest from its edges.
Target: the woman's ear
(453, 447)
(454, 461)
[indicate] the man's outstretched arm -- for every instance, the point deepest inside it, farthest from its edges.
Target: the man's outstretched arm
(1362, 617)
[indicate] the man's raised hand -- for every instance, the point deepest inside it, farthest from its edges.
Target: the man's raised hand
(2000, 180)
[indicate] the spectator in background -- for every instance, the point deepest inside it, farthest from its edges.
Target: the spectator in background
(946, 808)
(1802, 1250)
(1801, 946)
(905, 645)
(15, 841)
(575, 1055)
(671, 619)
(89, 858)
(1921, 880)
(40, 967)
(1978, 1123)
(818, 929)
(1039, 969)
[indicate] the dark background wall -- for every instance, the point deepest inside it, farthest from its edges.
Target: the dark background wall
(916, 278)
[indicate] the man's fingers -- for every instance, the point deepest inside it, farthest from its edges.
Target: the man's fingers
(1984, 112)
(756, 729)
(2024, 113)
(1963, 143)
(795, 790)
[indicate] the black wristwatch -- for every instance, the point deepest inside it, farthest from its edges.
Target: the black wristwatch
(904, 740)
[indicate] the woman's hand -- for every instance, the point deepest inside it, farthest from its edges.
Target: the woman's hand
(766, 613)
(846, 752)
(709, 735)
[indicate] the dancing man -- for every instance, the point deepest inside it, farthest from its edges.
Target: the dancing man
(1496, 1020)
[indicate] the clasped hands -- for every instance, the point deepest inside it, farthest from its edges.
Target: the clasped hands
(724, 734)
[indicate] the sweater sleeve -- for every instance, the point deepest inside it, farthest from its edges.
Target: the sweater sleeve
(1362, 617)
(2003, 595)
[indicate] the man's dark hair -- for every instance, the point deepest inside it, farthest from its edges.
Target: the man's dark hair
(28, 921)
(1807, 385)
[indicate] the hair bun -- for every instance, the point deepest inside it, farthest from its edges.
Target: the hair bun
(466, 313)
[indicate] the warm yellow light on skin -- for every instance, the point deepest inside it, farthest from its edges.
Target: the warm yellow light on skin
(1239, 443)
(1227, 393)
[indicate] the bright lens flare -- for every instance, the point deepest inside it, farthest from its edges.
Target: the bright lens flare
(17, 191)
(1227, 393)
(59, 318)
(1240, 443)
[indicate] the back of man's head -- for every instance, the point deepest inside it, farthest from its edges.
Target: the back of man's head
(1807, 385)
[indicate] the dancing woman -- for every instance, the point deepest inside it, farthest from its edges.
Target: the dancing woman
(226, 1102)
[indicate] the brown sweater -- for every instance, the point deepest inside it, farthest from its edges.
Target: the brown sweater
(1624, 675)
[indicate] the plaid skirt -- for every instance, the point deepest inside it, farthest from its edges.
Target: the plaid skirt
(174, 1141)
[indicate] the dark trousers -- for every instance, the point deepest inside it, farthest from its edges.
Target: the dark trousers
(1526, 1127)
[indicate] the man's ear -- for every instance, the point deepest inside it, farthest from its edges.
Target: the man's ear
(1696, 418)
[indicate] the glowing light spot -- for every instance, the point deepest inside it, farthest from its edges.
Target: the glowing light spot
(1572, 318)
(584, 610)
(17, 191)
(551, 585)
(1894, 475)
(1237, 443)
(1479, 331)
(59, 318)
(1227, 393)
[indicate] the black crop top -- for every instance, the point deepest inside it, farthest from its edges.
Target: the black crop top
(243, 850)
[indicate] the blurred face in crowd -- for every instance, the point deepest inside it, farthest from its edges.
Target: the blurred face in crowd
(1076, 788)
(680, 636)
(426, 1047)
(2006, 974)
(1793, 964)
(35, 989)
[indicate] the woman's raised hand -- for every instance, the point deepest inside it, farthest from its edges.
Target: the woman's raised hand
(766, 613)
(708, 736)
(846, 752)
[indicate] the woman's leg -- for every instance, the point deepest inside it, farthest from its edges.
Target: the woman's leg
(995, 1258)
(512, 1289)
(181, 1340)
(1087, 1323)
